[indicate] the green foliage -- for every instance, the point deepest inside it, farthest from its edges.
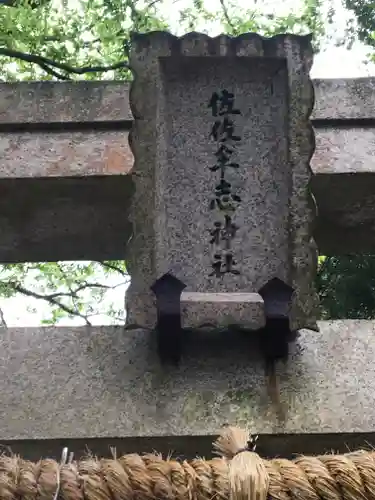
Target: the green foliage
(79, 33)
(95, 32)
(71, 289)
(364, 11)
(346, 287)
(309, 19)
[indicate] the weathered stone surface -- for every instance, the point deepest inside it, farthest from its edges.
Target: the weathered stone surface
(63, 102)
(341, 151)
(346, 222)
(345, 219)
(344, 99)
(31, 103)
(267, 228)
(64, 219)
(74, 153)
(41, 153)
(64, 154)
(81, 383)
(93, 223)
(222, 309)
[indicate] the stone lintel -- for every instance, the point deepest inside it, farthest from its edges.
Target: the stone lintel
(32, 103)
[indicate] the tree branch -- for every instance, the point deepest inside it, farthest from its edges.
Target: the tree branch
(52, 72)
(47, 64)
(72, 292)
(50, 299)
(89, 285)
(3, 323)
(226, 16)
(113, 267)
(120, 284)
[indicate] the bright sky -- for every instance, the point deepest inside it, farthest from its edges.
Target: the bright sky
(334, 62)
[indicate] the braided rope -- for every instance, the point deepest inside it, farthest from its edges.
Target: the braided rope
(235, 476)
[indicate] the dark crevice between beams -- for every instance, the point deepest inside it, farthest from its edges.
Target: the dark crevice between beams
(343, 123)
(114, 125)
(91, 126)
(188, 447)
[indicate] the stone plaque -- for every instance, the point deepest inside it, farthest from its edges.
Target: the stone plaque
(222, 143)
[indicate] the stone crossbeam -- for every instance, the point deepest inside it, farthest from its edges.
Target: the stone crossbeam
(65, 383)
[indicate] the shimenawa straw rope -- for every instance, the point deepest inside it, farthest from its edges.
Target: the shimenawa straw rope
(239, 474)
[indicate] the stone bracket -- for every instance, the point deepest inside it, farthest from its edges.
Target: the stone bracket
(276, 334)
(176, 310)
(167, 290)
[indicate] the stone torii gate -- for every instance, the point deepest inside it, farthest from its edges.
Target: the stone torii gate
(66, 193)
